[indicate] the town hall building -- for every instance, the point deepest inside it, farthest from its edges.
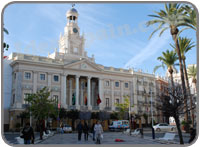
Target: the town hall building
(76, 81)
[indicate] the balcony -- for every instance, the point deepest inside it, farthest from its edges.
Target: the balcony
(95, 107)
(72, 107)
(107, 108)
(84, 107)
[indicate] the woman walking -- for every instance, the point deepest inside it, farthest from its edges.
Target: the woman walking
(98, 132)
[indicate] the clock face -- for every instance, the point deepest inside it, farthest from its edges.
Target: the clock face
(75, 30)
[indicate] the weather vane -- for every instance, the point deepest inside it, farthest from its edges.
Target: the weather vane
(73, 5)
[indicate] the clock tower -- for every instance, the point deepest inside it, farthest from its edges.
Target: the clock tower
(71, 42)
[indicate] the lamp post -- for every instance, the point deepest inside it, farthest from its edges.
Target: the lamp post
(153, 132)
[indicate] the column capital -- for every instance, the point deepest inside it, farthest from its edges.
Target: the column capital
(77, 76)
(100, 78)
(89, 77)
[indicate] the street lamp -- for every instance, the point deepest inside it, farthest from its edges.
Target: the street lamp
(153, 132)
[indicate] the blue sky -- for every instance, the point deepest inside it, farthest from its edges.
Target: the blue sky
(115, 33)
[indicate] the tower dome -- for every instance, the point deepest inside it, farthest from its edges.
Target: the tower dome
(72, 12)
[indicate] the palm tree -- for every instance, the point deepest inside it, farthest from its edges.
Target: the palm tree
(192, 73)
(186, 45)
(191, 18)
(168, 59)
(171, 18)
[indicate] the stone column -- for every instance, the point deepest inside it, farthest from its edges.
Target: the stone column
(35, 82)
(89, 93)
(101, 94)
(70, 92)
(63, 91)
(77, 91)
(112, 95)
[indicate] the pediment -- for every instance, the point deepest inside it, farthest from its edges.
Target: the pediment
(83, 65)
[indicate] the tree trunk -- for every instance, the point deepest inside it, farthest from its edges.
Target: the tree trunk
(172, 80)
(182, 75)
(179, 129)
(188, 90)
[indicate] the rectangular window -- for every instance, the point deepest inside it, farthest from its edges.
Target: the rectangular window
(107, 102)
(116, 84)
(26, 95)
(107, 83)
(126, 85)
(56, 78)
(117, 101)
(27, 75)
(42, 77)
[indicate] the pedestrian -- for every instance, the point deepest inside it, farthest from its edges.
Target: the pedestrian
(93, 131)
(192, 134)
(28, 134)
(79, 129)
(98, 132)
(85, 131)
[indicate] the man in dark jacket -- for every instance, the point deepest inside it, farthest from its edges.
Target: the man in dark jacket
(85, 131)
(192, 134)
(28, 134)
(79, 129)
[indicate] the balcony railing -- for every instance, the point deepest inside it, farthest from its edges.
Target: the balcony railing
(72, 107)
(95, 107)
(107, 108)
(84, 107)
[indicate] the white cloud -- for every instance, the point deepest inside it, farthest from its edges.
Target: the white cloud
(154, 45)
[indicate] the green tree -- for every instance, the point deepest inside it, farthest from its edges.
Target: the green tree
(41, 106)
(191, 18)
(186, 45)
(146, 119)
(114, 115)
(171, 18)
(73, 114)
(123, 107)
(62, 113)
(168, 59)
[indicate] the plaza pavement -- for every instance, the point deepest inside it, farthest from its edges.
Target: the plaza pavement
(109, 138)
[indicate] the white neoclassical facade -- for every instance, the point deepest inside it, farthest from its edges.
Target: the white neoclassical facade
(75, 80)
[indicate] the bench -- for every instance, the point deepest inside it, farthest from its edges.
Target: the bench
(136, 132)
(127, 131)
(168, 137)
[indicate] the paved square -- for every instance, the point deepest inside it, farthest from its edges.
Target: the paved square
(109, 138)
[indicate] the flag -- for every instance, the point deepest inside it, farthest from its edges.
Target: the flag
(98, 100)
(85, 100)
(73, 99)
(58, 106)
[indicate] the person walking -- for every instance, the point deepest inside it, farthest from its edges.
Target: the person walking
(79, 129)
(85, 131)
(28, 134)
(192, 135)
(93, 131)
(98, 132)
